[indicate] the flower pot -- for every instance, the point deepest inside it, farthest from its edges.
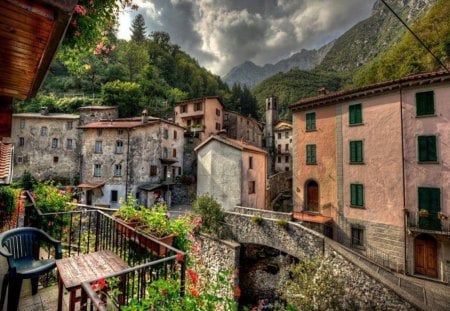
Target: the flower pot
(423, 213)
(121, 226)
(151, 243)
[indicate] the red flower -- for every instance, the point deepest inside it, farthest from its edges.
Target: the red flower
(164, 292)
(180, 257)
(237, 291)
(80, 9)
(194, 292)
(74, 23)
(193, 275)
(99, 285)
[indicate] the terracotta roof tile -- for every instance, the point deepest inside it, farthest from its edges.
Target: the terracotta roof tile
(233, 142)
(6, 151)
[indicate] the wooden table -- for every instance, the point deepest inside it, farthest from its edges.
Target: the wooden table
(74, 270)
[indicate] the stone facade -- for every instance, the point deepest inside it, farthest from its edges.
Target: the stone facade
(46, 145)
(283, 144)
(243, 128)
(90, 114)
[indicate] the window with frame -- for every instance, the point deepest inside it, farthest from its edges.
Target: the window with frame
(44, 131)
(183, 109)
(217, 112)
(279, 135)
(279, 159)
(279, 148)
(165, 133)
(97, 170)
(357, 195)
(174, 153)
(114, 196)
(69, 125)
(250, 162)
(69, 144)
(357, 234)
(98, 146)
(217, 126)
(356, 152)
(286, 147)
(251, 187)
(225, 117)
(21, 141)
(153, 170)
(286, 134)
(99, 132)
(425, 103)
(55, 160)
(198, 106)
(286, 169)
(119, 131)
(20, 160)
(179, 170)
(175, 134)
(118, 170)
(55, 143)
(119, 146)
(286, 159)
(429, 201)
(311, 154)
(22, 123)
(427, 148)
(311, 121)
(165, 154)
(355, 114)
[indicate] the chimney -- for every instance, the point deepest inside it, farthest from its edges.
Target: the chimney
(322, 91)
(144, 116)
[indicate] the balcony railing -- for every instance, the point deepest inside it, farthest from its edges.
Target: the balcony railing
(84, 231)
(425, 221)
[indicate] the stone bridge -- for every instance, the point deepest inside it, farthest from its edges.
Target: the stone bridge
(373, 286)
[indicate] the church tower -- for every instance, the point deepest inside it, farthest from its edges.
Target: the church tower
(271, 120)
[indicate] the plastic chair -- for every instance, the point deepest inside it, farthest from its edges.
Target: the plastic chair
(21, 246)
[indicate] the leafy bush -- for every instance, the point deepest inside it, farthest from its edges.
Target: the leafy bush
(27, 181)
(211, 213)
(49, 198)
(7, 201)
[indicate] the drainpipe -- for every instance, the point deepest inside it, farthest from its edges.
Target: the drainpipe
(126, 171)
(403, 176)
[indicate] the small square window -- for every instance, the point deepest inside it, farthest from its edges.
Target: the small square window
(98, 147)
(22, 123)
(279, 135)
(55, 160)
(119, 146)
(119, 132)
(99, 132)
(55, 143)
(69, 125)
(97, 170)
(19, 159)
(165, 133)
(218, 112)
(118, 170)
(69, 144)
(21, 141)
(44, 131)
(427, 148)
(183, 108)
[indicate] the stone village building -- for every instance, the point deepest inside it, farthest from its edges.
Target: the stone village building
(283, 143)
(232, 171)
(375, 161)
(137, 155)
(243, 128)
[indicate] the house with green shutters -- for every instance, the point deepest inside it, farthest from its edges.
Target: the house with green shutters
(376, 161)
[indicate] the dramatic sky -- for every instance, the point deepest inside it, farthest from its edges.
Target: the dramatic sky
(222, 34)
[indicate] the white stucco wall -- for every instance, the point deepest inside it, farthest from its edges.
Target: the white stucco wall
(219, 173)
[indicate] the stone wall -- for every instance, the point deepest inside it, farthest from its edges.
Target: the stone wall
(278, 184)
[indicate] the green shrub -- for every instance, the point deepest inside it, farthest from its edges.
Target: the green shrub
(257, 219)
(283, 223)
(27, 181)
(211, 213)
(7, 200)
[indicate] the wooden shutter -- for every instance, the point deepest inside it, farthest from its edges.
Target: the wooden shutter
(431, 148)
(353, 194)
(425, 103)
(422, 142)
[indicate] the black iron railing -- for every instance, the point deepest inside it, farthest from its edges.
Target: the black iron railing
(84, 230)
(426, 221)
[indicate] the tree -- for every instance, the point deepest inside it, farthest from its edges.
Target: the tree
(126, 95)
(133, 57)
(138, 29)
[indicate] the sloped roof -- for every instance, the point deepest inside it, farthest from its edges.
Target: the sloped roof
(117, 124)
(373, 89)
(46, 116)
(203, 99)
(238, 144)
(30, 33)
(6, 156)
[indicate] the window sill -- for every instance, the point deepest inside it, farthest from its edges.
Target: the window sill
(355, 124)
(315, 163)
(426, 116)
(357, 163)
(357, 206)
(310, 130)
(359, 247)
(98, 152)
(427, 162)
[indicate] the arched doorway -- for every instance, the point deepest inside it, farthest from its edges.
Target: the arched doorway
(425, 255)
(312, 196)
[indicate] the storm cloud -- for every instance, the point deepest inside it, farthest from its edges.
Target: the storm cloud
(222, 34)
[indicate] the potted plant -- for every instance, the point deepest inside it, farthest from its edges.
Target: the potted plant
(128, 215)
(155, 226)
(442, 216)
(423, 213)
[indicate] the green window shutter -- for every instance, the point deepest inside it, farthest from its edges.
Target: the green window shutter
(427, 148)
(431, 147)
(356, 151)
(353, 194)
(423, 198)
(355, 112)
(356, 195)
(425, 103)
(310, 154)
(360, 191)
(310, 121)
(422, 142)
(435, 200)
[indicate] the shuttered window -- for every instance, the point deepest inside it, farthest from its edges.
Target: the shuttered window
(311, 121)
(356, 152)
(310, 154)
(425, 103)
(355, 112)
(357, 195)
(427, 148)
(430, 200)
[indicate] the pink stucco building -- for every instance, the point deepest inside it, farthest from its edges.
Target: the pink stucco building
(375, 160)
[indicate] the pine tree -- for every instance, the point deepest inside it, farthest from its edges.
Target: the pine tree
(138, 29)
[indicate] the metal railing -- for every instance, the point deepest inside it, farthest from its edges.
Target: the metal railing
(424, 221)
(83, 231)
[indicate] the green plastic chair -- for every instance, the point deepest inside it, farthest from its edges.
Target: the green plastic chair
(21, 246)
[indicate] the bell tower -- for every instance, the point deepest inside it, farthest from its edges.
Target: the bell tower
(271, 120)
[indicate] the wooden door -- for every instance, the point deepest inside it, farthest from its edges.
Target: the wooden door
(312, 196)
(425, 256)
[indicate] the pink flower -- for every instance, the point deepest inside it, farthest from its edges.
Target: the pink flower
(74, 23)
(180, 257)
(77, 33)
(79, 9)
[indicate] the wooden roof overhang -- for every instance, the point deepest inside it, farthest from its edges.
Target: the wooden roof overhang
(30, 33)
